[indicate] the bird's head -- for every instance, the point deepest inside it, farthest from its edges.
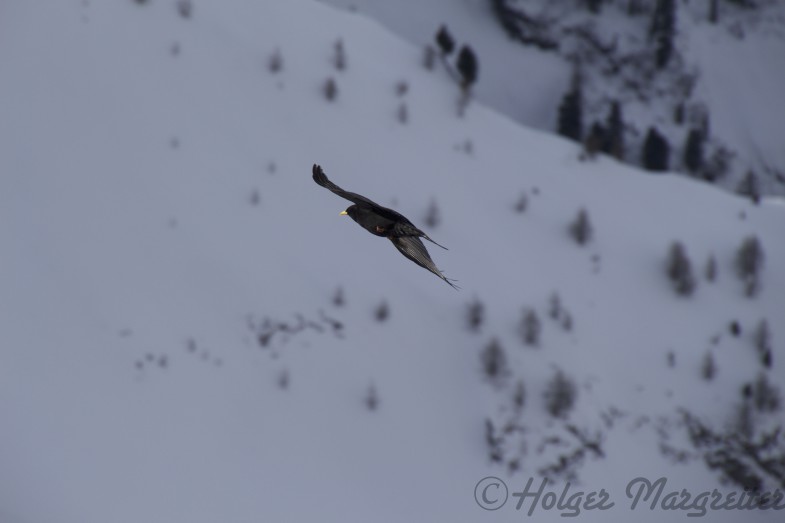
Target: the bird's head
(350, 211)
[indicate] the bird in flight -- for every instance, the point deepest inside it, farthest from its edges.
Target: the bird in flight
(381, 221)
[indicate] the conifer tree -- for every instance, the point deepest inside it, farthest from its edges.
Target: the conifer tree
(749, 263)
(467, 66)
(475, 315)
(580, 229)
(656, 151)
(570, 120)
(693, 151)
(679, 270)
(614, 135)
(494, 361)
(750, 187)
(530, 327)
(763, 343)
(445, 41)
(560, 395)
(595, 140)
(663, 30)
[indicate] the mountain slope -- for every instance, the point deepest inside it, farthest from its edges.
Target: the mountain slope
(170, 349)
(724, 78)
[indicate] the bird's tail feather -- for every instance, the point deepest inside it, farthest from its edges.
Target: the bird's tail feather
(433, 242)
(450, 282)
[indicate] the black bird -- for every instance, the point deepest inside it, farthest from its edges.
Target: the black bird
(381, 221)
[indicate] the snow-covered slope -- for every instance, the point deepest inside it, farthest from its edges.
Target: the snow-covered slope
(170, 345)
(735, 69)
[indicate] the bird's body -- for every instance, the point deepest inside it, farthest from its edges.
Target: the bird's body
(370, 221)
(381, 221)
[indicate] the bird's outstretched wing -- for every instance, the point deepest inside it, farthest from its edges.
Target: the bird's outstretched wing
(321, 179)
(413, 248)
(406, 228)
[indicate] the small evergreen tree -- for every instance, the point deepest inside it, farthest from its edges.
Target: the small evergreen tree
(678, 113)
(750, 187)
(554, 306)
(656, 151)
(339, 56)
(679, 270)
(339, 300)
(614, 137)
(330, 89)
(693, 151)
(765, 396)
(530, 327)
(745, 422)
(560, 395)
(445, 41)
(475, 315)
(382, 311)
(662, 31)
(522, 203)
(494, 441)
(275, 62)
(371, 398)
(570, 118)
(519, 396)
(717, 164)
(185, 8)
(468, 67)
(494, 361)
(580, 229)
(763, 343)
(255, 198)
(734, 328)
(749, 263)
(595, 140)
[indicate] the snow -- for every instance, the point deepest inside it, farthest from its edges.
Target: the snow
(136, 274)
(523, 83)
(739, 67)
(745, 116)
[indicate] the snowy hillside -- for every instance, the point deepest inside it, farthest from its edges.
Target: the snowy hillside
(726, 77)
(190, 332)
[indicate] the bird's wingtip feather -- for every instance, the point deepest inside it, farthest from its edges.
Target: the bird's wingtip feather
(318, 174)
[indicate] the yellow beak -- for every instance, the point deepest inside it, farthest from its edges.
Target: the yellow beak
(342, 213)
